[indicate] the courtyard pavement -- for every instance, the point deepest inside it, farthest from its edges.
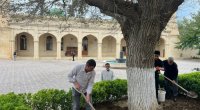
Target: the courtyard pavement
(23, 76)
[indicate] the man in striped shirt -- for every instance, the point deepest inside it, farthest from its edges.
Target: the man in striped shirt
(82, 77)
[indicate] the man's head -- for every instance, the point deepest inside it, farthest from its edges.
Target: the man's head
(90, 65)
(170, 60)
(156, 54)
(107, 65)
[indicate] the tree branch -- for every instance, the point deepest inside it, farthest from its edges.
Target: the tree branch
(120, 7)
(168, 8)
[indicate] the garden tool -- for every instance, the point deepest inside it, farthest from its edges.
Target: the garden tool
(191, 94)
(84, 98)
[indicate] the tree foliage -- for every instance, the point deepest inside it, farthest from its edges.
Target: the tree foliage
(189, 33)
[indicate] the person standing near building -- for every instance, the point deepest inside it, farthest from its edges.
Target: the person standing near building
(14, 55)
(73, 55)
(82, 77)
(157, 64)
(107, 74)
(171, 72)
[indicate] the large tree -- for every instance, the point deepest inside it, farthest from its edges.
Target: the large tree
(189, 30)
(141, 21)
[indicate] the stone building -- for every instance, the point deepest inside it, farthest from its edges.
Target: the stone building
(57, 39)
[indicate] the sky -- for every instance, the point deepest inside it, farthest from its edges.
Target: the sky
(188, 8)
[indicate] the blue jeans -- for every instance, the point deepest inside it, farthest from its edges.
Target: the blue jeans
(76, 100)
(171, 89)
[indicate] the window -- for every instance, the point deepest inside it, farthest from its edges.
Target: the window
(62, 44)
(23, 42)
(49, 43)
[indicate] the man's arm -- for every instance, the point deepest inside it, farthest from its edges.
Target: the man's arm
(90, 86)
(90, 83)
(72, 77)
(72, 74)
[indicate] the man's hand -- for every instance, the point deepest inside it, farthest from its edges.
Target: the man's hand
(88, 98)
(77, 85)
(173, 81)
(157, 68)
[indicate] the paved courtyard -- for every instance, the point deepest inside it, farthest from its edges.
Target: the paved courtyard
(30, 76)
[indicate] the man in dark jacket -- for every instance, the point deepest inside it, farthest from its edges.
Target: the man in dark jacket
(157, 64)
(171, 71)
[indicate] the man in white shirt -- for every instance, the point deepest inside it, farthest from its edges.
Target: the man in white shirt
(82, 76)
(107, 74)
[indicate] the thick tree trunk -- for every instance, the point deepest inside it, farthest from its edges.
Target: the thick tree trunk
(141, 89)
(141, 39)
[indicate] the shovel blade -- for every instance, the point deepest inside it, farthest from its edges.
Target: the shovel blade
(192, 94)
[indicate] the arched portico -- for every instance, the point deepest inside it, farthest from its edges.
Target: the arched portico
(24, 45)
(161, 47)
(69, 44)
(47, 45)
(89, 46)
(109, 47)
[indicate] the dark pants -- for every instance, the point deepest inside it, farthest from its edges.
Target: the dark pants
(76, 100)
(171, 89)
(157, 84)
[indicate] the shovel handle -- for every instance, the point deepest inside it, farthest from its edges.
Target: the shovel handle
(176, 84)
(84, 98)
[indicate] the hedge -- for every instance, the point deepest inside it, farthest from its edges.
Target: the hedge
(189, 81)
(53, 99)
(105, 91)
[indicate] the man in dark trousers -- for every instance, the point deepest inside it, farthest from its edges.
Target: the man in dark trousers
(157, 64)
(171, 71)
(82, 76)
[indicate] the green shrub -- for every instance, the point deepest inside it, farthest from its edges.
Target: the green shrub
(109, 90)
(12, 101)
(190, 82)
(51, 99)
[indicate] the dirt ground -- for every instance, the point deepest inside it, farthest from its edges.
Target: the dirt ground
(182, 103)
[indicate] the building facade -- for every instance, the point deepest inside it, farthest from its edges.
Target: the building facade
(58, 39)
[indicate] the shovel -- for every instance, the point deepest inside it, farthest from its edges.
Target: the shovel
(191, 94)
(84, 98)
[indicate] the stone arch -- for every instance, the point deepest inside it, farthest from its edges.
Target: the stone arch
(24, 44)
(109, 46)
(69, 44)
(44, 51)
(161, 47)
(89, 46)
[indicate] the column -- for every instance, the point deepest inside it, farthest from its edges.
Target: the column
(79, 50)
(58, 50)
(99, 50)
(118, 49)
(12, 42)
(36, 49)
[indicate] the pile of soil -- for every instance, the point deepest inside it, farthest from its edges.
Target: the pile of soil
(182, 103)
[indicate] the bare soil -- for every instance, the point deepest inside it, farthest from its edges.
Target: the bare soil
(182, 103)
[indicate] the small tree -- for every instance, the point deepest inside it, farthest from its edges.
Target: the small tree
(189, 30)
